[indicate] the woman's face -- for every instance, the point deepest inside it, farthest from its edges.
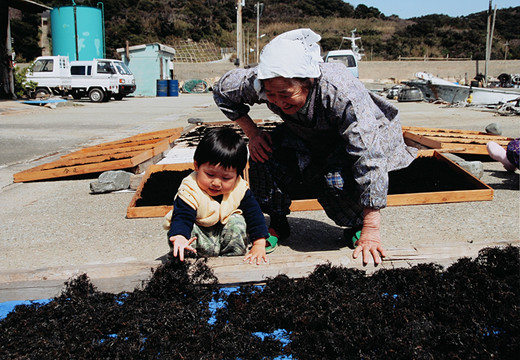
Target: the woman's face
(289, 95)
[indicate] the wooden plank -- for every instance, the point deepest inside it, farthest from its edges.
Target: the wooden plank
(478, 138)
(441, 130)
(235, 271)
(134, 212)
(157, 147)
(30, 175)
(160, 134)
(423, 140)
(455, 141)
(121, 154)
(409, 199)
(128, 146)
(48, 282)
(88, 160)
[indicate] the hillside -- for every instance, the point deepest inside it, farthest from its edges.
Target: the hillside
(383, 37)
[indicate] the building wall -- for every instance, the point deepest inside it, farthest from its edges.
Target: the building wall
(148, 64)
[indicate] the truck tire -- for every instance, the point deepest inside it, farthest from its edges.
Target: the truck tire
(118, 96)
(96, 95)
(41, 92)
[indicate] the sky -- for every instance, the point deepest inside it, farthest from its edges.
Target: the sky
(406, 9)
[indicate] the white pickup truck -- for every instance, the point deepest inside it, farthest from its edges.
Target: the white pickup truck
(346, 57)
(99, 79)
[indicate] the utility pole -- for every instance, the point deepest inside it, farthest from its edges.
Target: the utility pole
(240, 55)
(487, 44)
(258, 5)
(489, 39)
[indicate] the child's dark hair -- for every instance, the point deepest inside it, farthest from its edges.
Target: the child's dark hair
(222, 146)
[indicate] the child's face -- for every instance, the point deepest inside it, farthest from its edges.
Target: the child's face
(215, 179)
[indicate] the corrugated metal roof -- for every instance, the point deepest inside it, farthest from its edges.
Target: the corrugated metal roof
(28, 5)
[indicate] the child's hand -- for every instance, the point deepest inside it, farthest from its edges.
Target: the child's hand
(257, 252)
(180, 243)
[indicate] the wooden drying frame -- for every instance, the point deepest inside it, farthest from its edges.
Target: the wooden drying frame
(48, 282)
(134, 211)
(128, 153)
(454, 141)
(482, 192)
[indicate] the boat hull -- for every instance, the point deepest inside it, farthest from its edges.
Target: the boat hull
(454, 93)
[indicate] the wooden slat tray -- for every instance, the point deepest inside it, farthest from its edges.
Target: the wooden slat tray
(455, 141)
(406, 187)
(137, 210)
(48, 282)
(126, 153)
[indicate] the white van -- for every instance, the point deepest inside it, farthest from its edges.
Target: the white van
(346, 57)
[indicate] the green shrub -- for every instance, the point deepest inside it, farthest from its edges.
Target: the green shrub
(22, 87)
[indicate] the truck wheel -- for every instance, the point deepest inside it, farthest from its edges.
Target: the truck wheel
(118, 96)
(96, 95)
(41, 92)
(76, 96)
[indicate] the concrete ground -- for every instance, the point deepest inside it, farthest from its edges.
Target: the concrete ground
(59, 223)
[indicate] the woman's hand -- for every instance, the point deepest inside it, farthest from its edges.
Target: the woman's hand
(369, 243)
(260, 146)
(180, 243)
(257, 252)
(259, 141)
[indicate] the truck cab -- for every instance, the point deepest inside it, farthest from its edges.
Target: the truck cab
(93, 78)
(346, 57)
(100, 79)
(126, 79)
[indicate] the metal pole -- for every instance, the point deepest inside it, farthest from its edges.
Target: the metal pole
(257, 31)
(487, 44)
(240, 56)
(76, 32)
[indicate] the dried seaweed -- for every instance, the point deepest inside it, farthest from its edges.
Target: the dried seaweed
(467, 311)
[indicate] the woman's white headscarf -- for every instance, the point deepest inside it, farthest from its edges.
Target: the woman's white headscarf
(293, 54)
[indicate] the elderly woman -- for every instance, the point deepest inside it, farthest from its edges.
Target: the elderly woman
(337, 142)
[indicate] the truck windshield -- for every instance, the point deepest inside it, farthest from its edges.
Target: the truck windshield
(104, 67)
(348, 60)
(46, 65)
(122, 68)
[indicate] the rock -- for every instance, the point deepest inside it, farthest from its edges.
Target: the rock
(111, 181)
(196, 121)
(494, 128)
(476, 168)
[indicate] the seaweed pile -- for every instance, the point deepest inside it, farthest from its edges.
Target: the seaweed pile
(468, 311)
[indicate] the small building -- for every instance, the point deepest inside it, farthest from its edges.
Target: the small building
(7, 90)
(149, 63)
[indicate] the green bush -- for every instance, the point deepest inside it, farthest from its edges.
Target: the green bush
(22, 87)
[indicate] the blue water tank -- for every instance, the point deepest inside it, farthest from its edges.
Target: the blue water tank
(78, 31)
